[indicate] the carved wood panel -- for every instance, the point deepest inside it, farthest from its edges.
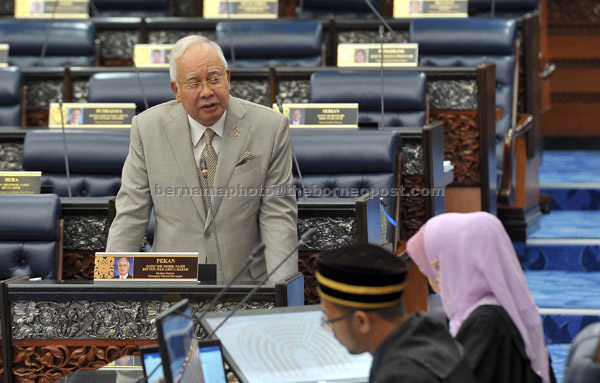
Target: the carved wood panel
(37, 118)
(573, 11)
(48, 363)
(461, 144)
(307, 265)
(412, 208)
(78, 264)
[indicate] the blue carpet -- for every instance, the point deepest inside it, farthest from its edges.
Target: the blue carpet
(561, 289)
(569, 167)
(563, 328)
(559, 354)
(570, 198)
(558, 257)
(568, 224)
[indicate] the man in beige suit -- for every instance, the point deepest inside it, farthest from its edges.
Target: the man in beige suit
(249, 148)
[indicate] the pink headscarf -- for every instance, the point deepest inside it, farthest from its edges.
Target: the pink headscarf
(478, 266)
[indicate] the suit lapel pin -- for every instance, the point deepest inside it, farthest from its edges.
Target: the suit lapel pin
(236, 132)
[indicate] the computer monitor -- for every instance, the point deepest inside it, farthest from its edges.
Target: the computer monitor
(151, 362)
(185, 359)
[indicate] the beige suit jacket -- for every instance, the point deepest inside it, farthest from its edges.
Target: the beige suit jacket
(160, 172)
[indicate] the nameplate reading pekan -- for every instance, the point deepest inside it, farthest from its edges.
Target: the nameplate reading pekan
(92, 115)
(20, 182)
(240, 9)
(4, 55)
(52, 9)
(152, 55)
(321, 115)
(369, 55)
(430, 8)
(120, 267)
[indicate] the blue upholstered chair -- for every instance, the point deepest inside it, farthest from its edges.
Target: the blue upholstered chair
(11, 97)
(130, 8)
(272, 43)
(125, 87)
(471, 42)
(30, 236)
(405, 95)
(347, 163)
(356, 9)
(96, 160)
(69, 43)
(583, 365)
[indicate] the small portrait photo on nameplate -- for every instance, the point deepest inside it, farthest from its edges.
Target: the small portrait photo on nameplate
(369, 55)
(430, 8)
(321, 115)
(4, 55)
(20, 182)
(91, 115)
(120, 267)
(240, 9)
(152, 55)
(52, 9)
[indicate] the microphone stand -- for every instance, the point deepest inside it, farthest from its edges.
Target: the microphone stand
(381, 126)
(212, 216)
(374, 10)
(280, 106)
(48, 31)
(305, 237)
(230, 32)
(137, 73)
(64, 137)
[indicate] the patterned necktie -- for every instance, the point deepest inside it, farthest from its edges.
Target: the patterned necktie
(210, 156)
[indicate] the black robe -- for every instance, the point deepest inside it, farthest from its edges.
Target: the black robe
(495, 349)
(421, 350)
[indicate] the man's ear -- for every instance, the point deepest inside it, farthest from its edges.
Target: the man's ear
(175, 90)
(363, 322)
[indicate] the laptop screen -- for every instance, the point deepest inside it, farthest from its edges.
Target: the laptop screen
(151, 362)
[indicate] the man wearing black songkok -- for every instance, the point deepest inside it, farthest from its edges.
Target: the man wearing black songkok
(361, 290)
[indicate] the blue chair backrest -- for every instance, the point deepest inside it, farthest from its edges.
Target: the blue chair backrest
(29, 235)
(125, 87)
(131, 8)
(272, 43)
(471, 42)
(96, 160)
(333, 8)
(581, 365)
(11, 84)
(335, 162)
(405, 95)
(69, 43)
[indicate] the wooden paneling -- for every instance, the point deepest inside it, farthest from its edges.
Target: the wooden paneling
(463, 199)
(572, 119)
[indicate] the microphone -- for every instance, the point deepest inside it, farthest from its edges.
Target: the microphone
(374, 10)
(303, 239)
(280, 106)
(257, 250)
(381, 126)
(493, 9)
(47, 40)
(212, 215)
(300, 8)
(137, 73)
(64, 136)
(93, 8)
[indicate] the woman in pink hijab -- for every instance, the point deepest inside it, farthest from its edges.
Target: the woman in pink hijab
(470, 261)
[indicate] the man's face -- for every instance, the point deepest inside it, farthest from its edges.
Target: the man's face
(200, 63)
(157, 57)
(74, 116)
(296, 115)
(123, 267)
(414, 6)
(344, 330)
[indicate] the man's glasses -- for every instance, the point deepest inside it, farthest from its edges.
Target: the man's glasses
(197, 86)
(328, 323)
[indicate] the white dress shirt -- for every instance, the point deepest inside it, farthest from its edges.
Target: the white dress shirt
(196, 132)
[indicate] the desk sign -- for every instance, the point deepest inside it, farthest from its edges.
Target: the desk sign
(4, 55)
(92, 115)
(369, 55)
(430, 8)
(20, 182)
(152, 55)
(321, 115)
(52, 9)
(146, 267)
(241, 9)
